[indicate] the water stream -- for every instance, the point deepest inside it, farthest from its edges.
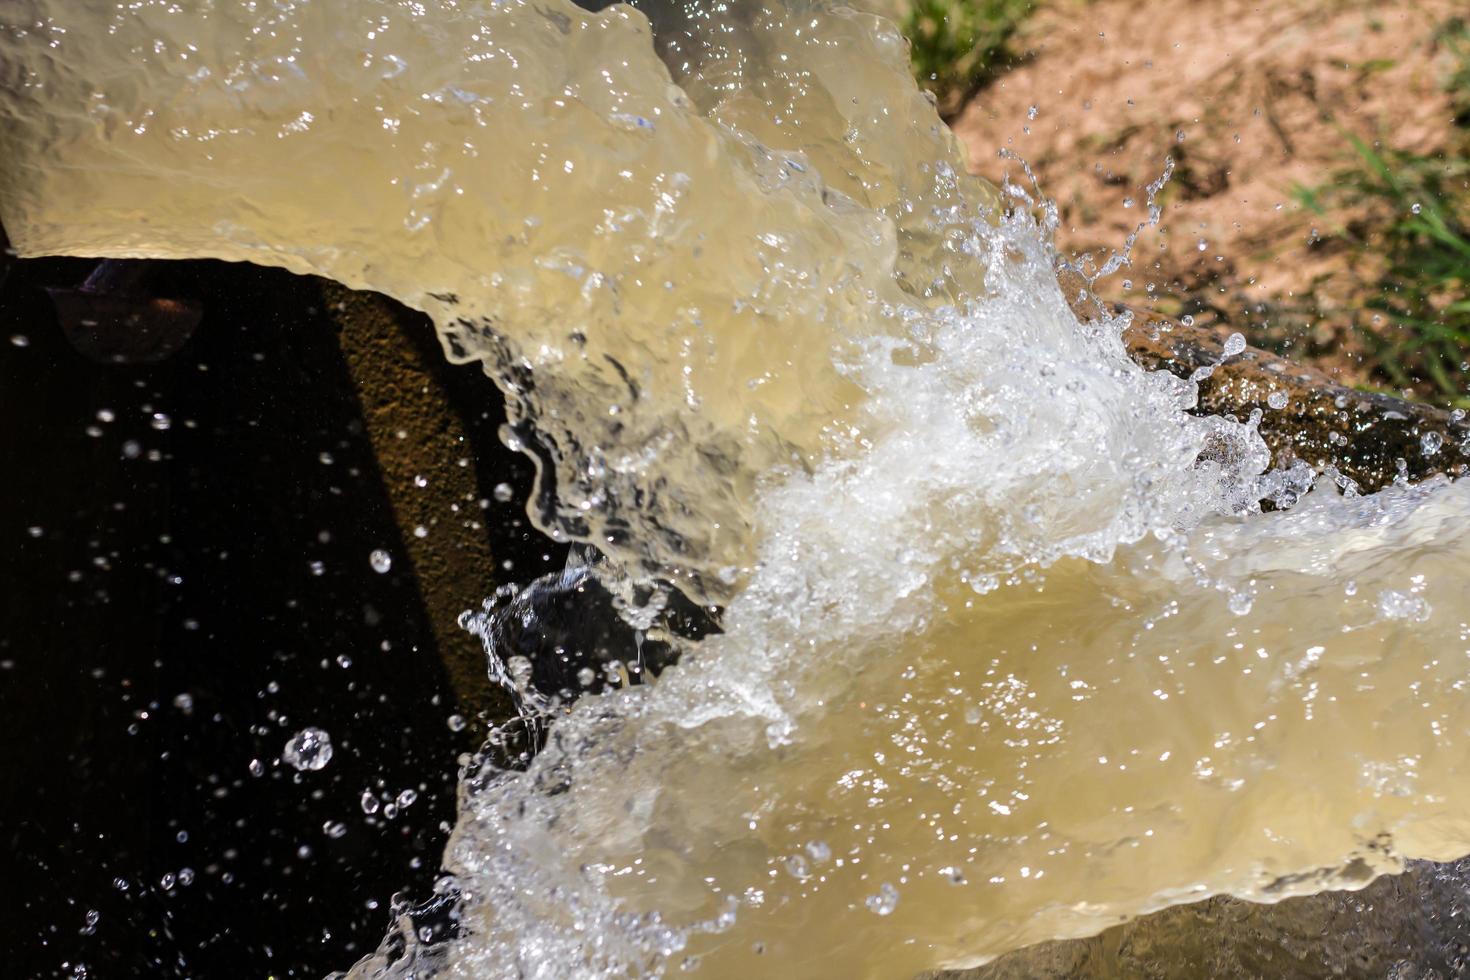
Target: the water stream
(1009, 649)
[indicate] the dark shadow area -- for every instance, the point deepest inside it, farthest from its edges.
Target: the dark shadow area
(186, 583)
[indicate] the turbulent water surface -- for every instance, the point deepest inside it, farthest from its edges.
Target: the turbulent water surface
(1009, 650)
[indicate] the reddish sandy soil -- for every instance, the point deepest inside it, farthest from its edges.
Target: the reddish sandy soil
(1250, 99)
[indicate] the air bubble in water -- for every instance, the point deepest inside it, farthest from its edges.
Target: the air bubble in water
(308, 749)
(380, 560)
(953, 875)
(1402, 605)
(884, 902)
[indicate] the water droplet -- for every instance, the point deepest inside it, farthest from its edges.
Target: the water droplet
(503, 492)
(1187, 320)
(456, 723)
(1179, 136)
(131, 449)
(953, 875)
(1234, 344)
(20, 340)
(421, 532)
(325, 459)
(334, 829)
(884, 902)
(184, 702)
(1277, 400)
(1416, 207)
(406, 799)
(369, 802)
(420, 481)
(1430, 443)
(160, 421)
(380, 560)
(1031, 113)
(257, 768)
(818, 851)
(308, 749)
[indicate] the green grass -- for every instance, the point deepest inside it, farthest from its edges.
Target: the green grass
(957, 45)
(1453, 37)
(1410, 233)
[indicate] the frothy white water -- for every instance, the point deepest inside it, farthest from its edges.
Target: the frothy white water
(1009, 650)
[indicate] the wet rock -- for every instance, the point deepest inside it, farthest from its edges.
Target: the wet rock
(1370, 438)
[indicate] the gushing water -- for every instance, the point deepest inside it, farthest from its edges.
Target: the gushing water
(1008, 649)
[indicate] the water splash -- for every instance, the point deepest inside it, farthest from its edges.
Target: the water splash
(1007, 641)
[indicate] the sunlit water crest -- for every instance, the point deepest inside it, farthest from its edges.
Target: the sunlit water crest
(1009, 650)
